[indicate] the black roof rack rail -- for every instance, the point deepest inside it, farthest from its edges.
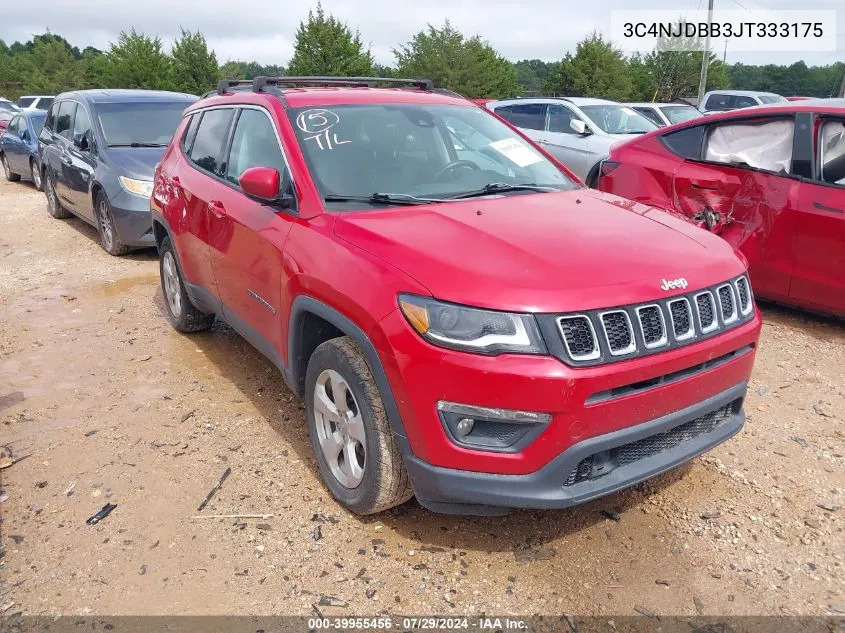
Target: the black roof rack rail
(260, 82)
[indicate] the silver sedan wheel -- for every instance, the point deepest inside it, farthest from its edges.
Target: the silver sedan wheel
(36, 175)
(172, 291)
(340, 428)
(6, 167)
(50, 191)
(106, 225)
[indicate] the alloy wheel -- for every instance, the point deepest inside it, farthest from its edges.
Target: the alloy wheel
(106, 225)
(36, 175)
(340, 428)
(172, 291)
(50, 191)
(6, 167)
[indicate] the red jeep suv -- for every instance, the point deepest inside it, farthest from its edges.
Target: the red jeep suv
(465, 321)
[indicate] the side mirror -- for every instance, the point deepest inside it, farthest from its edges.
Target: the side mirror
(81, 141)
(262, 184)
(579, 127)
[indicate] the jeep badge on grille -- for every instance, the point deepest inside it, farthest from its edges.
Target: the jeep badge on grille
(680, 282)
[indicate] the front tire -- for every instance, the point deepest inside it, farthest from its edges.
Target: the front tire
(106, 227)
(181, 313)
(35, 175)
(357, 455)
(10, 176)
(54, 207)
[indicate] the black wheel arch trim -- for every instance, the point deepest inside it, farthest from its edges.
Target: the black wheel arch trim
(303, 305)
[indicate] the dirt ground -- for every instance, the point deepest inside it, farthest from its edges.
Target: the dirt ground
(104, 402)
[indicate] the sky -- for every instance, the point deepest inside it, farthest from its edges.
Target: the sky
(264, 31)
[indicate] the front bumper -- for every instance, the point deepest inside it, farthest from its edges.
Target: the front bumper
(132, 219)
(465, 492)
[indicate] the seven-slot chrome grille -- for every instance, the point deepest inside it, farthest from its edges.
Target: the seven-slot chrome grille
(603, 336)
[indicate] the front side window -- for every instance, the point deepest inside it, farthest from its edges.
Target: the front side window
(211, 135)
(254, 144)
(617, 119)
(560, 118)
(650, 114)
(142, 124)
(81, 124)
(529, 116)
(50, 123)
(425, 151)
(680, 113)
(764, 144)
(832, 146)
(37, 119)
(65, 118)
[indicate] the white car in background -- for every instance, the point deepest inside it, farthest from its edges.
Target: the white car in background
(663, 114)
(578, 131)
(35, 102)
(7, 105)
(724, 100)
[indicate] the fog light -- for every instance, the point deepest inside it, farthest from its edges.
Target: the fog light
(464, 426)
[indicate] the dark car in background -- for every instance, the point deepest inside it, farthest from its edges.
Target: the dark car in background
(99, 149)
(19, 151)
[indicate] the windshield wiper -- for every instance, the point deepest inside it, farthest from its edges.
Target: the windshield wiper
(500, 187)
(137, 144)
(384, 198)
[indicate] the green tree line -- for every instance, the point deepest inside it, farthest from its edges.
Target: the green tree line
(324, 45)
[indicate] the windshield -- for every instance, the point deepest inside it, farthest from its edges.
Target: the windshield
(37, 120)
(679, 114)
(148, 123)
(425, 151)
(25, 102)
(618, 119)
(772, 99)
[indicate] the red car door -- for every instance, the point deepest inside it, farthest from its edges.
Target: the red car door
(818, 279)
(194, 185)
(247, 236)
(755, 203)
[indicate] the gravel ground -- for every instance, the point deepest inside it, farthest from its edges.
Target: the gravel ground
(104, 403)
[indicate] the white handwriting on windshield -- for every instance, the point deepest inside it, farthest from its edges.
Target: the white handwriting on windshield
(318, 123)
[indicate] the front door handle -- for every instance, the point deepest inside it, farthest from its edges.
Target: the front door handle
(696, 185)
(824, 207)
(217, 209)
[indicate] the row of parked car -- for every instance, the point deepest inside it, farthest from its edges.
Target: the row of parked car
(465, 321)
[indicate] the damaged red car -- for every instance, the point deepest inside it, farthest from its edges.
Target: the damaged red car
(770, 180)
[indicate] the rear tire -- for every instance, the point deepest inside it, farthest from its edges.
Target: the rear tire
(54, 207)
(181, 313)
(35, 175)
(106, 227)
(356, 452)
(10, 176)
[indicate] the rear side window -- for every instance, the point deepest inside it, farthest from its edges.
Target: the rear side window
(530, 116)
(764, 144)
(210, 137)
(65, 118)
(504, 112)
(719, 102)
(685, 143)
(190, 132)
(254, 144)
(744, 102)
(44, 103)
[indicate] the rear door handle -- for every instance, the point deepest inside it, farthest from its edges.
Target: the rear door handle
(217, 208)
(824, 207)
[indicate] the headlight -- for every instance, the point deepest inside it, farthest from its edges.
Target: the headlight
(472, 329)
(138, 187)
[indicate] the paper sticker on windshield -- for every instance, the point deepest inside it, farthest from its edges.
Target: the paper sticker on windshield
(516, 152)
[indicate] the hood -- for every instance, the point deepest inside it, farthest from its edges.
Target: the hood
(551, 252)
(136, 162)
